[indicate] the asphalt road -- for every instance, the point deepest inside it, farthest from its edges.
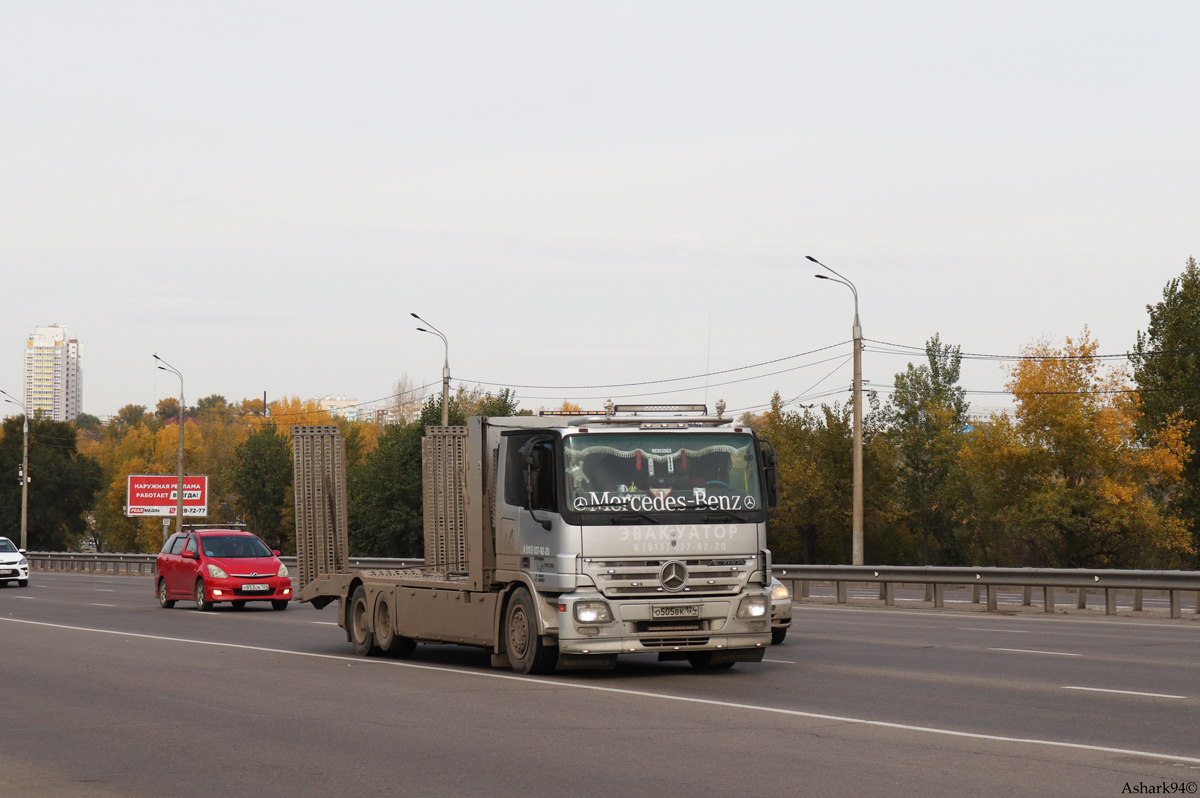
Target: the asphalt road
(107, 694)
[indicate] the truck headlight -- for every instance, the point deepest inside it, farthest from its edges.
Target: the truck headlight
(592, 612)
(752, 607)
(216, 573)
(283, 571)
(780, 592)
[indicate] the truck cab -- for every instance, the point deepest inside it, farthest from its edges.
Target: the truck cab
(643, 532)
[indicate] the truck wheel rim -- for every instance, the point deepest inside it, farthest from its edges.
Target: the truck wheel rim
(360, 612)
(518, 633)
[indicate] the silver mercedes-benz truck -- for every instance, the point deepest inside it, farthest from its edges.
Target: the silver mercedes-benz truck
(563, 541)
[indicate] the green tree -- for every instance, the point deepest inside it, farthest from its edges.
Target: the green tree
(260, 481)
(814, 523)
(213, 402)
(385, 496)
(86, 421)
(1166, 368)
(63, 484)
(926, 418)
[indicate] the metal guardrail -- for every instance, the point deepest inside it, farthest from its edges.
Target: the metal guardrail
(143, 564)
(887, 577)
(936, 578)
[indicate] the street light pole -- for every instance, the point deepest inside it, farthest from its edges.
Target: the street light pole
(24, 472)
(857, 527)
(445, 368)
(165, 366)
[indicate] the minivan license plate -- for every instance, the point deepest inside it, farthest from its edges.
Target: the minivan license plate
(690, 611)
(256, 587)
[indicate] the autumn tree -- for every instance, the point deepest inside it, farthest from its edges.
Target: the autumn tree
(1166, 368)
(1071, 482)
(926, 416)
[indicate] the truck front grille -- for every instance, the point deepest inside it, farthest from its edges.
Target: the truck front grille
(633, 578)
(673, 642)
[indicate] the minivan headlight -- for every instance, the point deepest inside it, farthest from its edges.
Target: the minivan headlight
(752, 607)
(779, 592)
(216, 573)
(283, 571)
(592, 612)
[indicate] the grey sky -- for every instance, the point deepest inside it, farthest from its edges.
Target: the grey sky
(262, 192)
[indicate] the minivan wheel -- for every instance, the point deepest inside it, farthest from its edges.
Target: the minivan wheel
(163, 601)
(201, 604)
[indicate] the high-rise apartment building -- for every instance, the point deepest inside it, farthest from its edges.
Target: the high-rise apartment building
(53, 374)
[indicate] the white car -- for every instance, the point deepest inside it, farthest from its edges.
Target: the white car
(781, 611)
(13, 565)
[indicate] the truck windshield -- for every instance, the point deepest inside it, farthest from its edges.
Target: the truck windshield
(661, 472)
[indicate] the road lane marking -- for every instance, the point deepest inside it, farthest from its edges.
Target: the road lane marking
(638, 693)
(783, 661)
(1004, 631)
(27, 598)
(1027, 651)
(327, 623)
(104, 590)
(104, 605)
(1124, 692)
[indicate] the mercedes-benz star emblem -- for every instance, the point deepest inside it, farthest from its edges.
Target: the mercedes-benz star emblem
(674, 576)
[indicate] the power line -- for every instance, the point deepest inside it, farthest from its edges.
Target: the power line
(650, 382)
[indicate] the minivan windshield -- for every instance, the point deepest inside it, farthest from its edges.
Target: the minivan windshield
(233, 546)
(661, 472)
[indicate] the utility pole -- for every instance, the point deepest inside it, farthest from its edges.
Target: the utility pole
(179, 490)
(445, 368)
(24, 475)
(857, 524)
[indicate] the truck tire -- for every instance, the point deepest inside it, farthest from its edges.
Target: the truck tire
(360, 634)
(702, 661)
(526, 651)
(392, 644)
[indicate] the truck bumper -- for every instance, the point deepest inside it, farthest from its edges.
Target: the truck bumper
(634, 629)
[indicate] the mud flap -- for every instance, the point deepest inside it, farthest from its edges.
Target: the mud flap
(737, 655)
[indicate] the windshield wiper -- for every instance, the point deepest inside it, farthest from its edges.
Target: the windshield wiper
(628, 515)
(727, 514)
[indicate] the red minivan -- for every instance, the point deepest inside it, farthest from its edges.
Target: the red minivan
(212, 565)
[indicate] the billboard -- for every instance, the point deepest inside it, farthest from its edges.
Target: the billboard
(155, 494)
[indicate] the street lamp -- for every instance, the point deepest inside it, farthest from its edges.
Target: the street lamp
(857, 539)
(24, 475)
(165, 366)
(445, 368)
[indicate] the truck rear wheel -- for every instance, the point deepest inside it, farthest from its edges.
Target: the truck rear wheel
(392, 644)
(361, 634)
(526, 651)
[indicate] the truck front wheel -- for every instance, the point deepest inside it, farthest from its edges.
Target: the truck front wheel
(361, 634)
(526, 651)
